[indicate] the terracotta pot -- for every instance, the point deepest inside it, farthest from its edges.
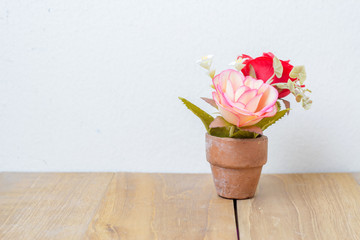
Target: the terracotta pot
(236, 164)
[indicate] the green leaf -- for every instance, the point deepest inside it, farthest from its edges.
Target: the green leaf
(220, 132)
(278, 68)
(291, 85)
(204, 116)
(299, 73)
(281, 85)
(233, 131)
(267, 122)
(278, 105)
(239, 133)
(252, 71)
(221, 128)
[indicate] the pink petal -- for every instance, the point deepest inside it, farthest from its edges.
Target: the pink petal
(245, 120)
(233, 116)
(228, 106)
(236, 108)
(229, 90)
(272, 112)
(247, 96)
(218, 122)
(249, 82)
(223, 84)
(216, 80)
(251, 122)
(228, 116)
(239, 92)
(239, 105)
(215, 97)
(221, 98)
(263, 88)
(236, 78)
(253, 103)
(253, 129)
(268, 99)
(258, 84)
(252, 82)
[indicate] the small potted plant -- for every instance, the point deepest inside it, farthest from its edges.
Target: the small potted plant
(249, 99)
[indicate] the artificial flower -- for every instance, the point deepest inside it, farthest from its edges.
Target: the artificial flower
(243, 101)
(263, 67)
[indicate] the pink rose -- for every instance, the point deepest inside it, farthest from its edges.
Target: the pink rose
(243, 101)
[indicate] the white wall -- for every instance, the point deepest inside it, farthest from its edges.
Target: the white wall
(93, 85)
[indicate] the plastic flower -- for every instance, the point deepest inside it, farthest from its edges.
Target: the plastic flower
(206, 62)
(243, 101)
(239, 63)
(264, 70)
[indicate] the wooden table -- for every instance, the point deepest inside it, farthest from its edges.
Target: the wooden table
(176, 206)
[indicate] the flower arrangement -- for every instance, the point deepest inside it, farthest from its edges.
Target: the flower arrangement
(248, 98)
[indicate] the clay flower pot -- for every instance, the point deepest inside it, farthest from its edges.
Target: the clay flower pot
(236, 164)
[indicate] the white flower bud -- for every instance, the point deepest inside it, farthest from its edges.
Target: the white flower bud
(206, 62)
(238, 64)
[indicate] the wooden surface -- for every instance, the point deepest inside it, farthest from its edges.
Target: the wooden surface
(302, 206)
(162, 206)
(357, 177)
(48, 205)
(113, 206)
(176, 206)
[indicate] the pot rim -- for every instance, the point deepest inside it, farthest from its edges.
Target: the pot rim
(261, 138)
(246, 152)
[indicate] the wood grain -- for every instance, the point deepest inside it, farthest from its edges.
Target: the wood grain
(175, 206)
(162, 206)
(357, 177)
(49, 205)
(302, 206)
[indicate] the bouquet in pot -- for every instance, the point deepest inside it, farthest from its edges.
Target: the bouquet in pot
(249, 97)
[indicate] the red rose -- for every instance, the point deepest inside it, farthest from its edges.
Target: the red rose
(263, 67)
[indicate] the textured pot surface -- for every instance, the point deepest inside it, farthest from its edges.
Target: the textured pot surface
(236, 164)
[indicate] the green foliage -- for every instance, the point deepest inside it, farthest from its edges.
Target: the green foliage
(220, 132)
(267, 122)
(239, 133)
(204, 116)
(252, 72)
(230, 130)
(278, 68)
(299, 73)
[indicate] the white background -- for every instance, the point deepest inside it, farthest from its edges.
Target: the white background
(93, 85)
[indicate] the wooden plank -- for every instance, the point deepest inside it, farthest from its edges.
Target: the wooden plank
(357, 177)
(302, 206)
(49, 205)
(163, 206)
